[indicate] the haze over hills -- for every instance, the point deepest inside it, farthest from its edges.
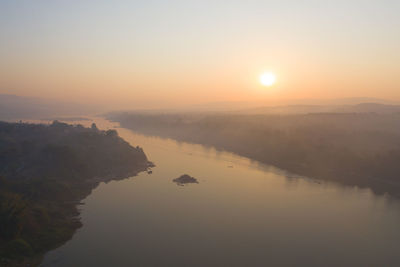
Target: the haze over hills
(14, 107)
(305, 109)
(243, 105)
(344, 106)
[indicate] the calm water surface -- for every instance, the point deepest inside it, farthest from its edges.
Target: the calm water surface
(240, 214)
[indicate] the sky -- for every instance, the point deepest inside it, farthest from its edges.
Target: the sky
(149, 54)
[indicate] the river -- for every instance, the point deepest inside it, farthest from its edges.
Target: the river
(241, 213)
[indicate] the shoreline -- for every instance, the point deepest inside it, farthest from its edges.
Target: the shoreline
(41, 189)
(74, 221)
(376, 185)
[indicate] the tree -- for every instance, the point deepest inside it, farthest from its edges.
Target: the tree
(11, 209)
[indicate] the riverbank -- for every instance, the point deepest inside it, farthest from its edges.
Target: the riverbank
(46, 173)
(247, 212)
(351, 149)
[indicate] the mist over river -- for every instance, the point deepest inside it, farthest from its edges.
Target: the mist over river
(240, 213)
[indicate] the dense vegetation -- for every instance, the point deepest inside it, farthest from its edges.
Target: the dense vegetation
(46, 170)
(354, 149)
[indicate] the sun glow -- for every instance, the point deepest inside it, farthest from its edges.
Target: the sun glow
(268, 79)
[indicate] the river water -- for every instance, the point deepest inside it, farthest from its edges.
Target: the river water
(240, 214)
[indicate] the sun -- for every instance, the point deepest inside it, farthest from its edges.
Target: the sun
(268, 79)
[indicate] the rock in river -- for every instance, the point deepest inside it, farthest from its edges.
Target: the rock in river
(185, 179)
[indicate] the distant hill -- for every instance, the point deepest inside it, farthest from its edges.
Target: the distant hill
(346, 101)
(14, 107)
(308, 109)
(370, 108)
(227, 106)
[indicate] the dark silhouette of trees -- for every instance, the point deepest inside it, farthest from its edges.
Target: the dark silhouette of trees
(44, 171)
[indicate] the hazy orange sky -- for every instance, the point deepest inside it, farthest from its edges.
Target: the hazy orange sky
(165, 53)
